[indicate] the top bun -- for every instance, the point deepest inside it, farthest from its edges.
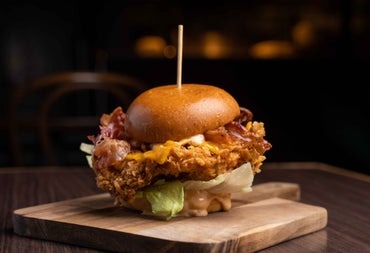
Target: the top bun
(171, 113)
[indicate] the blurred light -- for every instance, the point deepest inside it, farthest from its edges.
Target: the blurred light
(271, 49)
(303, 34)
(215, 45)
(150, 46)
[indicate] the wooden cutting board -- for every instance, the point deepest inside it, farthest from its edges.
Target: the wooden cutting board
(268, 215)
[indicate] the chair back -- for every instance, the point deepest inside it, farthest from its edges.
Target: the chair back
(64, 107)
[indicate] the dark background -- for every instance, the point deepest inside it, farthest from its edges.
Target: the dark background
(314, 101)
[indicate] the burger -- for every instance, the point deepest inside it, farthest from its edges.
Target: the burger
(177, 151)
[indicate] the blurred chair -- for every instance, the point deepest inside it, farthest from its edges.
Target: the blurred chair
(45, 114)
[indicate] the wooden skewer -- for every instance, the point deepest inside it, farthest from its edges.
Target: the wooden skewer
(179, 56)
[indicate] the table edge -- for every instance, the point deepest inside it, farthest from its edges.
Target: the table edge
(319, 166)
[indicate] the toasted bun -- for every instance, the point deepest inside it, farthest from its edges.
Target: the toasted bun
(196, 203)
(171, 113)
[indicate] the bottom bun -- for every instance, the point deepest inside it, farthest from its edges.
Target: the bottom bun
(196, 203)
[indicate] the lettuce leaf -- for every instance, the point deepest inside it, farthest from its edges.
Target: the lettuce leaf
(87, 148)
(166, 198)
(239, 179)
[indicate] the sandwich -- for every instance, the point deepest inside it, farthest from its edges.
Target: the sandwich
(177, 151)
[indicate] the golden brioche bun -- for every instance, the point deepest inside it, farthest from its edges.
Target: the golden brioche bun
(171, 113)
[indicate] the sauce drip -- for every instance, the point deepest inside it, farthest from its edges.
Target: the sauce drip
(200, 203)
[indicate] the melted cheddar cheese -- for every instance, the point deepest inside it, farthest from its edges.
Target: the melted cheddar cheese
(160, 152)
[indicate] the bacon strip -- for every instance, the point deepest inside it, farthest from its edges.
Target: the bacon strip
(245, 116)
(108, 152)
(112, 125)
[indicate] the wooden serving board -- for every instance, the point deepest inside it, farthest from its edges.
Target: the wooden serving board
(268, 215)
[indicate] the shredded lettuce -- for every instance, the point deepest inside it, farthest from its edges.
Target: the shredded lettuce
(89, 160)
(88, 149)
(239, 179)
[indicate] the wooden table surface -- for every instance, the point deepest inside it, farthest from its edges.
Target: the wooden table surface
(345, 195)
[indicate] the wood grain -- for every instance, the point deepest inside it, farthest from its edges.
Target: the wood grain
(94, 222)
